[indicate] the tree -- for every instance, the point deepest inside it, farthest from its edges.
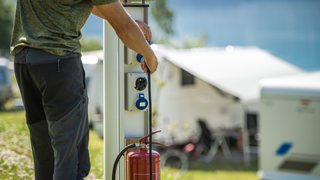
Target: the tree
(188, 42)
(90, 44)
(163, 16)
(6, 24)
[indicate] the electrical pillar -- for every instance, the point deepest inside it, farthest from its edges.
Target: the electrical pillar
(124, 85)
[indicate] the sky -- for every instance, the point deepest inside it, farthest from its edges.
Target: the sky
(289, 29)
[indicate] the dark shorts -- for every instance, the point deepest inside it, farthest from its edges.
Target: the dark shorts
(54, 94)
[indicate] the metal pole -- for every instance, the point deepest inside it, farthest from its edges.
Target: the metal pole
(110, 99)
(118, 124)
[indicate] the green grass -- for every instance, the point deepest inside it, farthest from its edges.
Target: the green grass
(96, 156)
(216, 170)
(15, 150)
(16, 156)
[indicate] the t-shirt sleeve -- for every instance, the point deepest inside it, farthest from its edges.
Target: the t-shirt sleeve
(101, 2)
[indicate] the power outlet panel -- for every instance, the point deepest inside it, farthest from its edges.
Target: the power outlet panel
(136, 92)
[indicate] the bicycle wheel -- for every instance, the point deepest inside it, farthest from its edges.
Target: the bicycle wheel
(174, 163)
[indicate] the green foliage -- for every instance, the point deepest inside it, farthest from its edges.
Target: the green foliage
(90, 44)
(6, 22)
(188, 42)
(163, 16)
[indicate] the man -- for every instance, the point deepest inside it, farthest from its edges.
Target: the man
(50, 75)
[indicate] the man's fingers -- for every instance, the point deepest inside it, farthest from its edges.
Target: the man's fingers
(146, 33)
(145, 29)
(146, 36)
(149, 32)
(144, 68)
(152, 68)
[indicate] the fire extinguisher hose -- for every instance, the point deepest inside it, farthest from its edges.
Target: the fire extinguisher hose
(114, 170)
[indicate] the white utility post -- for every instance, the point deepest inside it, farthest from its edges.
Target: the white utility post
(121, 120)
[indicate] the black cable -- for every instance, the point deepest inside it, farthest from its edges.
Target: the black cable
(142, 60)
(114, 170)
(150, 123)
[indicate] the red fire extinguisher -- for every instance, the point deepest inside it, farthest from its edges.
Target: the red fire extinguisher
(138, 162)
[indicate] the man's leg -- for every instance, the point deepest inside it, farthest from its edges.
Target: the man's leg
(70, 143)
(83, 157)
(62, 85)
(36, 120)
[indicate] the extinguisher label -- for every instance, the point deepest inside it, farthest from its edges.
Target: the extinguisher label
(145, 176)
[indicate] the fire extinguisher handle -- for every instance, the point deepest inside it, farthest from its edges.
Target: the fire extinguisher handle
(158, 144)
(142, 140)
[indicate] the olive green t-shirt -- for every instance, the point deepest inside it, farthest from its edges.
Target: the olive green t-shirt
(51, 25)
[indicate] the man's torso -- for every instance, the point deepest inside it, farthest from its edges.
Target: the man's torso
(50, 25)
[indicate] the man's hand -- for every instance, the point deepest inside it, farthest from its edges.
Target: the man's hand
(151, 64)
(145, 30)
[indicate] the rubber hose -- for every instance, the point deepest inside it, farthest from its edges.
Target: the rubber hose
(114, 170)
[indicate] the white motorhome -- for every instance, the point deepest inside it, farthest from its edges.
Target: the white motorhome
(217, 85)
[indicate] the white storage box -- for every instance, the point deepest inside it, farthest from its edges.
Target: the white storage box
(289, 127)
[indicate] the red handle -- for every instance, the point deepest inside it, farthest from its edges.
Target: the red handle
(142, 140)
(158, 144)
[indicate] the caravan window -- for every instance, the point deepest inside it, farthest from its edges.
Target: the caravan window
(186, 78)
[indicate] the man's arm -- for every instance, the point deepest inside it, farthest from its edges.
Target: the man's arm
(128, 31)
(96, 12)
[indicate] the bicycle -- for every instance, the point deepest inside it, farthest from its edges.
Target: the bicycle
(175, 160)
